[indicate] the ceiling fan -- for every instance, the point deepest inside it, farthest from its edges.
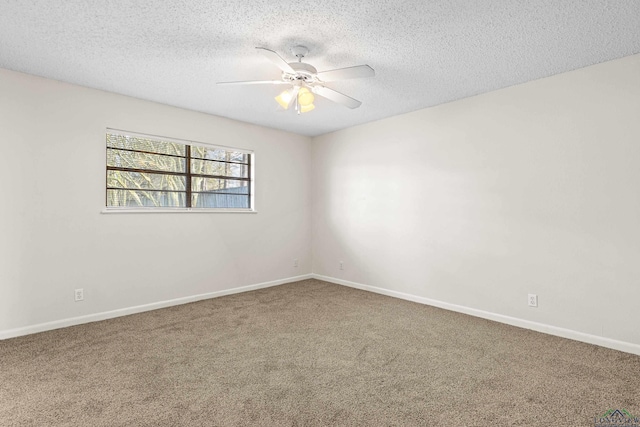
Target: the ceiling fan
(306, 81)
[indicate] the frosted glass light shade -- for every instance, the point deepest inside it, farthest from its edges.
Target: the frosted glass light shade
(305, 97)
(284, 99)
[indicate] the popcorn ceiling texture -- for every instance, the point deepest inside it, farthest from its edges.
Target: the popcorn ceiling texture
(425, 53)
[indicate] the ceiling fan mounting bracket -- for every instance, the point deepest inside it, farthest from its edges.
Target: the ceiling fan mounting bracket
(299, 52)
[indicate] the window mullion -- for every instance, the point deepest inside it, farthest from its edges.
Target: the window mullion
(249, 182)
(188, 178)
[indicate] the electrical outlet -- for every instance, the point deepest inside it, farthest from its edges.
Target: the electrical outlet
(533, 300)
(79, 294)
(341, 265)
(295, 262)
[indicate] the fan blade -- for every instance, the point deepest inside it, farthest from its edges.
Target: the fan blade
(337, 97)
(356, 72)
(255, 82)
(277, 60)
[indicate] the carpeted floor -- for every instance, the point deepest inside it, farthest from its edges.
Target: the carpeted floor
(309, 353)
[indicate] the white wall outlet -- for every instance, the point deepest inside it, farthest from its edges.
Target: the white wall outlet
(341, 265)
(295, 262)
(79, 294)
(533, 300)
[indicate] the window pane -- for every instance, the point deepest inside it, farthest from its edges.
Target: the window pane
(214, 200)
(142, 198)
(144, 144)
(145, 181)
(148, 171)
(207, 167)
(134, 160)
(211, 153)
(219, 185)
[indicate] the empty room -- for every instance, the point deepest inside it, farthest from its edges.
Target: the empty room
(389, 213)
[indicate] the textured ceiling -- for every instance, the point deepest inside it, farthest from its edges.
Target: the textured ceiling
(424, 52)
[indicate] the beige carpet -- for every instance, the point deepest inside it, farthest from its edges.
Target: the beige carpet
(308, 354)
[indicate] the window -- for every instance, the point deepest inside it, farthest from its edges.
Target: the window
(154, 172)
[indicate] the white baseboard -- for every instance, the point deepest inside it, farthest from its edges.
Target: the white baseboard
(526, 324)
(63, 323)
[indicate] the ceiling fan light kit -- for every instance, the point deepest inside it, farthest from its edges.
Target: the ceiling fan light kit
(306, 81)
(299, 96)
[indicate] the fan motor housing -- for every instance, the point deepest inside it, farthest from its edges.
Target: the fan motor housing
(304, 72)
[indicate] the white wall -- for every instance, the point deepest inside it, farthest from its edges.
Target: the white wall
(530, 189)
(53, 237)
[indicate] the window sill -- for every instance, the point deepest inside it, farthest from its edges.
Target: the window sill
(174, 210)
